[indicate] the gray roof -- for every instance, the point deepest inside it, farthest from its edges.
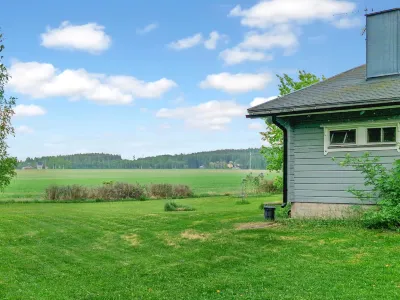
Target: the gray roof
(345, 90)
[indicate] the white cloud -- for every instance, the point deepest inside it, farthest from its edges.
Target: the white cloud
(211, 43)
(148, 28)
(281, 36)
(187, 43)
(260, 100)
(88, 37)
(178, 100)
(24, 129)
(41, 80)
(345, 23)
(212, 115)
(236, 83)
(268, 13)
(236, 56)
(31, 110)
(256, 126)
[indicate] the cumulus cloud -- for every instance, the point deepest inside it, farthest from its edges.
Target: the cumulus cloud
(212, 115)
(260, 100)
(237, 55)
(256, 126)
(268, 13)
(24, 129)
(31, 110)
(211, 43)
(345, 23)
(187, 43)
(88, 37)
(148, 28)
(42, 80)
(236, 83)
(281, 36)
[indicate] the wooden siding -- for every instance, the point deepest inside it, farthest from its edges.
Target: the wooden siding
(315, 177)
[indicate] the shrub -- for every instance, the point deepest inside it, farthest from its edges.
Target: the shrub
(182, 191)
(384, 187)
(173, 206)
(258, 184)
(160, 190)
(69, 192)
(119, 190)
(278, 183)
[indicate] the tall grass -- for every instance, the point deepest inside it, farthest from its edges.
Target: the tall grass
(111, 191)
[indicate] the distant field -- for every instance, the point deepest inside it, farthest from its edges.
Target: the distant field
(30, 184)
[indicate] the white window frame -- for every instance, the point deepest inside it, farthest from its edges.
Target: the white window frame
(361, 137)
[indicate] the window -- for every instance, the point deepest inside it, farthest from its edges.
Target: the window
(366, 136)
(339, 137)
(381, 135)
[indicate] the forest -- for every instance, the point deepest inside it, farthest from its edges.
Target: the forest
(219, 159)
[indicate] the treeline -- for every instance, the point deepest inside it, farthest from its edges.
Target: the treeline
(219, 159)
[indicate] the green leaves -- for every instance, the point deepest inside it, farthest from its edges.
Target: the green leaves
(7, 164)
(385, 188)
(273, 135)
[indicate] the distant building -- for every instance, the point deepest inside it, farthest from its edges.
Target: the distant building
(201, 167)
(39, 166)
(27, 168)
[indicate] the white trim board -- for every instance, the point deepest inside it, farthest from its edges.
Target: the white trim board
(361, 136)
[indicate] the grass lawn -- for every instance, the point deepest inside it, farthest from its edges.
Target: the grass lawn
(135, 250)
(30, 184)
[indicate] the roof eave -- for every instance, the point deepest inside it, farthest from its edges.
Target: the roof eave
(331, 108)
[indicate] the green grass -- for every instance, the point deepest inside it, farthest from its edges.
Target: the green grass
(30, 184)
(135, 250)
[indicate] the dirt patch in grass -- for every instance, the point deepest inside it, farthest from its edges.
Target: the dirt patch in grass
(194, 235)
(255, 225)
(132, 239)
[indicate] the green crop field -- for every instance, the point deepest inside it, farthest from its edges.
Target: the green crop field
(135, 250)
(30, 184)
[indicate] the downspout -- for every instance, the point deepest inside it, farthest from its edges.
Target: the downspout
(285, 160)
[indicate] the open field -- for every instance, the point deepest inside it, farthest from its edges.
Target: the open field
(135, 250)
(30, 184)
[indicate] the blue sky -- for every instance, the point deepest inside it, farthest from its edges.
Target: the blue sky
(153, 77)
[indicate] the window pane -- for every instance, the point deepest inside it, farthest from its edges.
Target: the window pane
(374, 135)
(389, 134)
(343, 136)
(350, 137)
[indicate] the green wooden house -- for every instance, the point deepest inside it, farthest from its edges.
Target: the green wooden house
(353, 112)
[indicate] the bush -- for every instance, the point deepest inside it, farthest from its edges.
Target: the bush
(385, 188)
(160, 190)
(173, 206)
(119, 191)
(111, 191)
(258, 184)
(69, 192)
(182, 191)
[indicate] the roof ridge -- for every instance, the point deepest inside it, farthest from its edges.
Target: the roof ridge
(309, 86)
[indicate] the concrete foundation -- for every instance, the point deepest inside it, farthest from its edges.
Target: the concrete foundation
(323, 210)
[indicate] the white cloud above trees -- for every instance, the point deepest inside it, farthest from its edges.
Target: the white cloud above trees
(212, 115)
(88, 37)
(43, 80)
(236, 83)
(22, 110)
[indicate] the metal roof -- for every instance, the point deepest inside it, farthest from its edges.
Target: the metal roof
(346, 90)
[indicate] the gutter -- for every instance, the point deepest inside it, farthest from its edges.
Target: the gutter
(285, 160)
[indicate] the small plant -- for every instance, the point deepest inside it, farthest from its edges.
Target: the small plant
(384, 187)
(173, 206)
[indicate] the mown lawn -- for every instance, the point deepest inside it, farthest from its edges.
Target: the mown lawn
(135, 250)
(30, 184)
